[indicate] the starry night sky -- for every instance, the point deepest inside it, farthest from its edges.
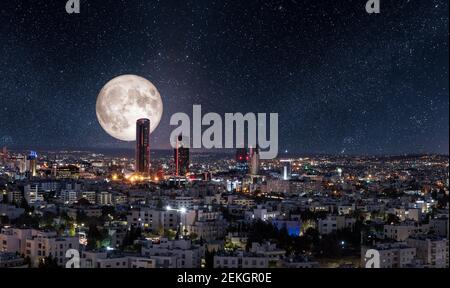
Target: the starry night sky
(342, 81)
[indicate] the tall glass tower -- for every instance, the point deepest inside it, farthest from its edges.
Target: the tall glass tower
(143, 145)
(181, 156)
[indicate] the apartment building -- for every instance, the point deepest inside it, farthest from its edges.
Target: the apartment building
(432, 250)
(187, 254)
(334, 223)
(153, 219)
(392, 255)
(37, 244)
(112, 260)
(401, 231)
(240, 259)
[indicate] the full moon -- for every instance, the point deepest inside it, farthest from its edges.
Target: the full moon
(125, 99)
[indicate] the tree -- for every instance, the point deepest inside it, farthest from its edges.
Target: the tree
(49, 196)
(193, 236)
(26, 220)
(5, 198)
(159, 204)
(94, 237)
(171, 234)
(48, 262)
(329, 246)
(391, 218)
(209, 259)
(106, 211)
(132, 235)
(24, 205)
(4, 219)
(47, 219)
(27, 260)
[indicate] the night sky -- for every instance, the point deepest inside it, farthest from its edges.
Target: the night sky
(342, 81)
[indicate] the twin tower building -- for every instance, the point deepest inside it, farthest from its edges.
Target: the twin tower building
(181, 151)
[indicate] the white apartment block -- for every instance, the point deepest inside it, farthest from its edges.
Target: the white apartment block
(240, 260)
(104, 198)
(236, 240)
(392, 255)
(72, 196)
(166, 261)
(334, 223)
(181, 202)
(431, 250)
(440, 226)
(37, 244)
(153, 219)
(32, 194)
(49, 186)
(105, 259)
(267, 250)
(119, 199)
(346, 209)
(142, 263)
(406, 213)
(15, 197)
(186, 254)
(261, 213)
(89, 211)
(244, 202)
(298, 262)
(208, 229)
(69, 196)
(91, 196)
(401, 232)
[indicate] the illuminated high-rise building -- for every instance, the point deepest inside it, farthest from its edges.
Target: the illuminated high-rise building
(20, 163)
(31, 163)
(242, 155)
(181, 156)
(286, 169)
(142, 146)
(254, 161)
(242, 159)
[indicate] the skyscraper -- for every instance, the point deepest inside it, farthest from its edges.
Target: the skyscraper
(142, 145)
(242, 159)
(254, 161)
(181, 157)
(31, 163)
(242, 155)
(286, 170)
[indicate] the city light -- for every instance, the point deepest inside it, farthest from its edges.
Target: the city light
(224, 135)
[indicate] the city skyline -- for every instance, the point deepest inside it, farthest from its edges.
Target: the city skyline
(230, 142)
(355, 83)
